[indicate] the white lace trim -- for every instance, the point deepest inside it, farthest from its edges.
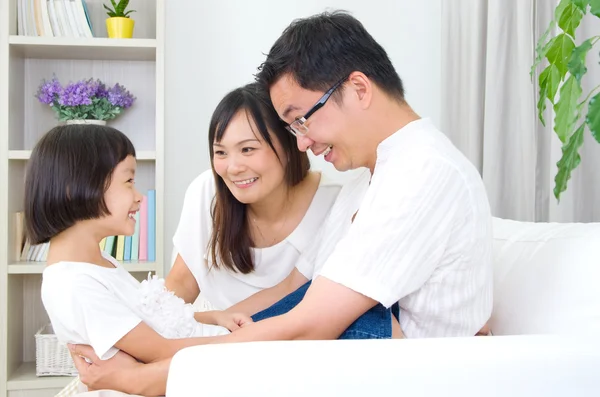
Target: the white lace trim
(165, 312)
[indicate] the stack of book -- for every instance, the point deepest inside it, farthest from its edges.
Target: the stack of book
(53, 18)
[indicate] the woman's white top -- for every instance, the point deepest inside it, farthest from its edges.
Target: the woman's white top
(222, 287)
(98, 306)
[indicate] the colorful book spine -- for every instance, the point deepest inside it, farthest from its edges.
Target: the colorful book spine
(152, 225)
(135, 239)
(143, 254)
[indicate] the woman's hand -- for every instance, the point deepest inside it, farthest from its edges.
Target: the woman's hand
(113, 374)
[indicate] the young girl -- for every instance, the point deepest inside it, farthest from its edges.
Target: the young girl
(80, 188)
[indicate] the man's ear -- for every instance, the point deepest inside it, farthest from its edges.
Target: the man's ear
(362, 87)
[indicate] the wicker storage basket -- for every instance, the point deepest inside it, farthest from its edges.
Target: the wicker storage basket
(52, 358)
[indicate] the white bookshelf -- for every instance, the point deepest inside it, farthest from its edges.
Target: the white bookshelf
(138, 64)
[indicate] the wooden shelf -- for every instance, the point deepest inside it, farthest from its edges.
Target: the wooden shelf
(83, 48)
(24, 378)
(38, 267)
(25, 154)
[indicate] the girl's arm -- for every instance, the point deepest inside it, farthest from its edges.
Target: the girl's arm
(146, 345)
(267, 297)
(182, 282)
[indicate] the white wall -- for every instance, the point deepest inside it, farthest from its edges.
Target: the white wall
(214, 46)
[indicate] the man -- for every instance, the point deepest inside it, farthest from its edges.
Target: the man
(422, 235)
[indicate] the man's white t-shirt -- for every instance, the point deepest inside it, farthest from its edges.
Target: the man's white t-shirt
(422, 236)
(97, 306)
(222, 287)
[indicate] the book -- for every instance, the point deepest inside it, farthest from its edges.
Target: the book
(152, 225)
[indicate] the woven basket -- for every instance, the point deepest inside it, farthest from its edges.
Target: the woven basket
(52, 358)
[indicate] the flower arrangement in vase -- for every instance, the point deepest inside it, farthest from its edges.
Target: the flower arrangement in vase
(85, 101)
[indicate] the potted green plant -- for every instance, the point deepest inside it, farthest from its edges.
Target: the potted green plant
(119, 24)
(566, 67)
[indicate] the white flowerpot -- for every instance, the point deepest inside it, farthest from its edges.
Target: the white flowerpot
(95, 122)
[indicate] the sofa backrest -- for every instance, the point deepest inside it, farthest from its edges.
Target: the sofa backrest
(546, 278)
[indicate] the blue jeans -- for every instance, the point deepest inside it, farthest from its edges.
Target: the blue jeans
(374, 324)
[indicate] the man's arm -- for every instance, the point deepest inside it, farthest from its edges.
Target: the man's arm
(267, 297)
(325, 312)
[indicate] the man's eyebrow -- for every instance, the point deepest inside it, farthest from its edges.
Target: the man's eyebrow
(289, 109)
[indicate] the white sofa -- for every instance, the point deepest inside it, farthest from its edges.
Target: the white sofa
(546, 325)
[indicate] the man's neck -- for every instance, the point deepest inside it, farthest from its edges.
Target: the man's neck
(389, 116)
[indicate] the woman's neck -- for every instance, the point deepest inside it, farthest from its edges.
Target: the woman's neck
(273, 207)
(76, 244)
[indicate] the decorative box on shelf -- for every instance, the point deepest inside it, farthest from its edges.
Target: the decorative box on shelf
(52, 358)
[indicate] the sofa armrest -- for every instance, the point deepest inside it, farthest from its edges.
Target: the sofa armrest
(477, 366)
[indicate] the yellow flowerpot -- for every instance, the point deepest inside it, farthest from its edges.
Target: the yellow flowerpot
(119, 27)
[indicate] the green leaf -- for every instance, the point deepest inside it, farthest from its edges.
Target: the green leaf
(581, 4)
(548, 82)
(560, 8)
(541, 105)
(577, 63)
(122, 6)
(595, 7)
(559, 53)
(550, 78)
(542, 50)
(593, 117)
(569, 161)
(570, 19)
(566, 108)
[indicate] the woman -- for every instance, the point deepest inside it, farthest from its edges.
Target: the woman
(245, 222)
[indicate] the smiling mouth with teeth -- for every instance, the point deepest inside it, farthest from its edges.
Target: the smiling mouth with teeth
(245, 182)
(328, 150)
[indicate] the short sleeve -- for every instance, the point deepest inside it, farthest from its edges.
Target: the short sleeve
(195, 223)
(103, 316)
(402, 228)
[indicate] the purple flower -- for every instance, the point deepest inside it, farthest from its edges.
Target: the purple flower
(119, 96)
(79, 93)
(98, 89)
(48, 91)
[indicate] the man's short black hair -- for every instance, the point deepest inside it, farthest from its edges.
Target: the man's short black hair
(320, 50)
(67, 175)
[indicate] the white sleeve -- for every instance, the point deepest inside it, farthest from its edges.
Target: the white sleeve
(195, 223)
(100, 317)
(402, 228)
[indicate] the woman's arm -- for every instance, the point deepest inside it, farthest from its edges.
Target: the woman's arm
(267, 297)
(182, 282)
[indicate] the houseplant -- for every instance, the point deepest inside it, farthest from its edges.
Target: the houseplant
(566, 67)
(85, 101)
(119, 24)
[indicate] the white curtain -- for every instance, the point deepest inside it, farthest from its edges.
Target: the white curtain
(489, 109)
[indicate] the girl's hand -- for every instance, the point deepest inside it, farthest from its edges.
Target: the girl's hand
(231, 321)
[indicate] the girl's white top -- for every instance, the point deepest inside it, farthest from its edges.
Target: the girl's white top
(97, 306)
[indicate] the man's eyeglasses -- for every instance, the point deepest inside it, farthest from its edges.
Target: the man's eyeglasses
(298, 127)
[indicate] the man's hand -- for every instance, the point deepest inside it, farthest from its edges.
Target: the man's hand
(231, 321)
(103, 374)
